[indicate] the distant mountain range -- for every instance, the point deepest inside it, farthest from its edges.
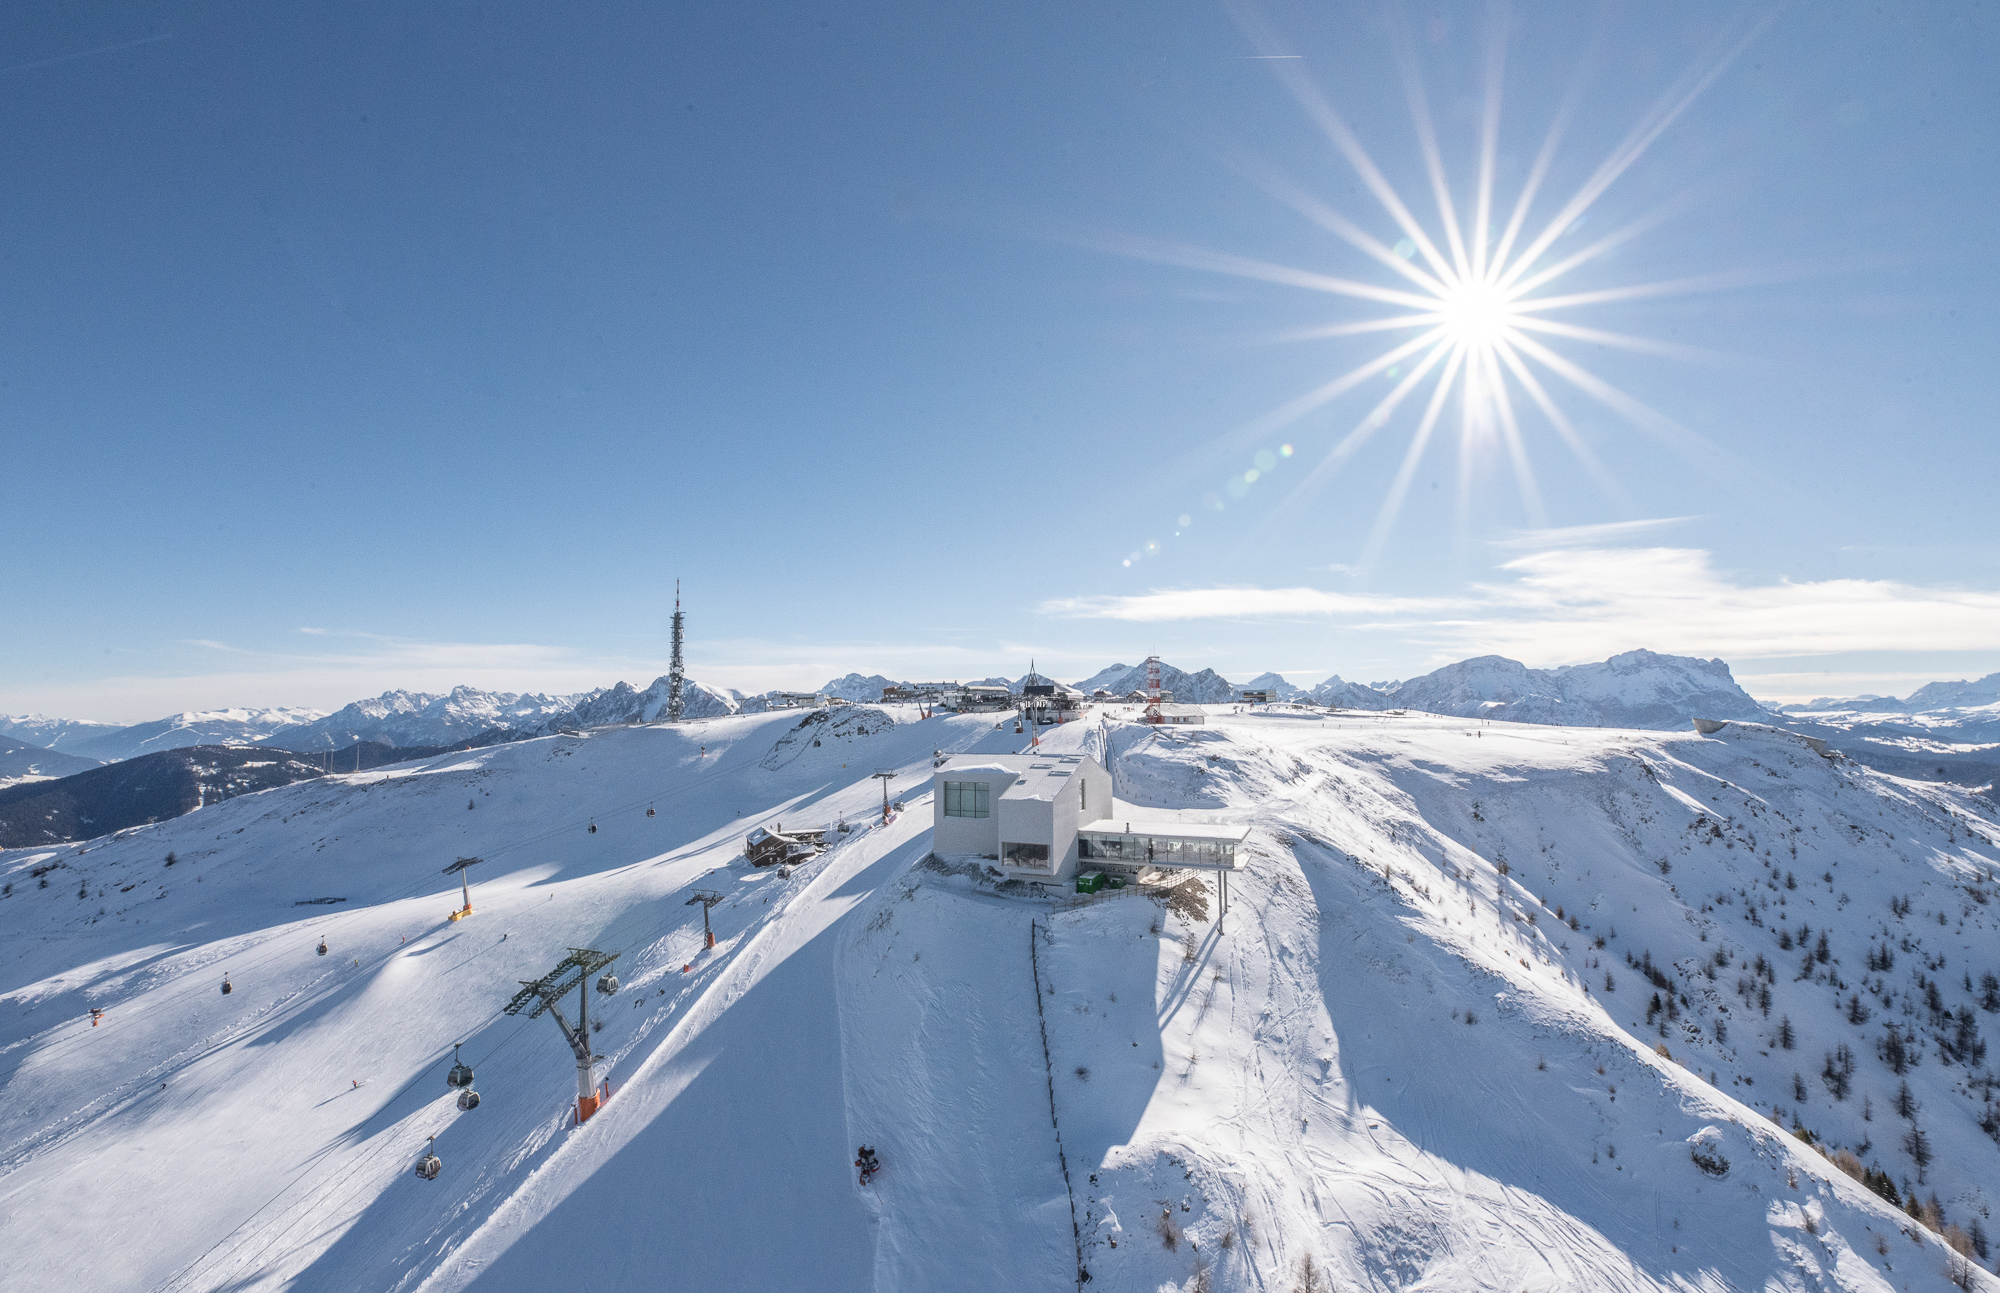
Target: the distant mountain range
(52, 733)
(1641, 689)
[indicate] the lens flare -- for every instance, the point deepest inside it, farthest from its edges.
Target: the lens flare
(1469, 292)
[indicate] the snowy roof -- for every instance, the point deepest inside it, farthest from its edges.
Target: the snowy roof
(1036, 776)
(1161, 827)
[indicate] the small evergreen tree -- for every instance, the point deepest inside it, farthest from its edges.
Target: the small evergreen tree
(1786, 1037)
(1918, 1146)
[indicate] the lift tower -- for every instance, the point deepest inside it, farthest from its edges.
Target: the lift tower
(675, 671)
(707, 898)
(1152, 714)
(459, 866)
(546, 993)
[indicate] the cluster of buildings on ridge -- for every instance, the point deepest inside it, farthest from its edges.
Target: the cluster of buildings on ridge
(1034, 817)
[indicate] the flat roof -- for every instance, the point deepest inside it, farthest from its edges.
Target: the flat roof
(1036, 776)
(1166, 828)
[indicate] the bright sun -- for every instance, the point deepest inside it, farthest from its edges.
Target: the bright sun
(1470, 293)
(1476, 314)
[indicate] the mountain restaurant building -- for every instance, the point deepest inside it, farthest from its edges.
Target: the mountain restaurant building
(1018, 810)
(1045, 817)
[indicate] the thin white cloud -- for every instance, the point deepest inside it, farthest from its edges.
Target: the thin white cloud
(1585, 603)
(1587, 536)
(1238, 603)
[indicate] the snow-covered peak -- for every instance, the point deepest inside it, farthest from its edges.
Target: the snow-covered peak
(236, 726)
(1206, 687)
(861, 687)
(625, 703)
(51, 733)
(411, 719)
(1275, 684)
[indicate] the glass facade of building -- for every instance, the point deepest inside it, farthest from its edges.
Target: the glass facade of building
(1155, 850)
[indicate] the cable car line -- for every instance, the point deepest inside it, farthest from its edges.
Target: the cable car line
(367, 1156)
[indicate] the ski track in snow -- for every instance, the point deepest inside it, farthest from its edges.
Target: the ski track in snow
(1391, 1060)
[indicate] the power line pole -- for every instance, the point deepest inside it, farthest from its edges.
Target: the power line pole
(675, 672)
(545, 993)
(707, 898)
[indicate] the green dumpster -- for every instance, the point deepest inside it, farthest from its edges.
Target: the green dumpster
(1090, 881)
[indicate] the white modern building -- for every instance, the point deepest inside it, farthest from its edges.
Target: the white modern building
(1019, 810)
(1039, 816)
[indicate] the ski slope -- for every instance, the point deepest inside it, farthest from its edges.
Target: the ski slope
(1390, 1059)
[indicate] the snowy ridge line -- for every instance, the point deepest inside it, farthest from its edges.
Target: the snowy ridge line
(734, 974)
(1049, 1071)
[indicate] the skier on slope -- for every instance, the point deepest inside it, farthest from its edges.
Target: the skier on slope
(868, 1163)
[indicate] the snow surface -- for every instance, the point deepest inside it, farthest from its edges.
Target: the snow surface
(1391, 1058)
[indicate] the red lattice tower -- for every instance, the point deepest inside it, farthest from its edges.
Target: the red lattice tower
(1153, 690)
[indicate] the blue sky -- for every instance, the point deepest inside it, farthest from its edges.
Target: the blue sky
(411, 345)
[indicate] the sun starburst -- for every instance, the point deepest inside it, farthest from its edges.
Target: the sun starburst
(1482, 314)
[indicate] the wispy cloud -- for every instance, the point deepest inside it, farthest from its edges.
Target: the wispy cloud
(1240, 603)
(1588, 536)
(1566, 603)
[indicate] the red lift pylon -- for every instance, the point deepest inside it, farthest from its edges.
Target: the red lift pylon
(573, 971)
(707, 898)
(1152, 714)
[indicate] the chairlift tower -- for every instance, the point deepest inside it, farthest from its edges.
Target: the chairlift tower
(707, 898)
(675, 671)
(886, 776)
(546, 993)
(465, 888)
(1152, 714)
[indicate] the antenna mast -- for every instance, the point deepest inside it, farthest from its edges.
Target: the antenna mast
(1152, 690)
(674, 670)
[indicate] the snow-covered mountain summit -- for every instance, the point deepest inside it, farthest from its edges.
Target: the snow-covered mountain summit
(1636, 689)
(245, 726)
(51, 733)
(1492, 1007)
(624, 703)
(410, 719)
(1204, 687)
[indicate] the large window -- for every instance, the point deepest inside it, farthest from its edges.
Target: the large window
(1034, 855)
(965, 799)
(1156, 850)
